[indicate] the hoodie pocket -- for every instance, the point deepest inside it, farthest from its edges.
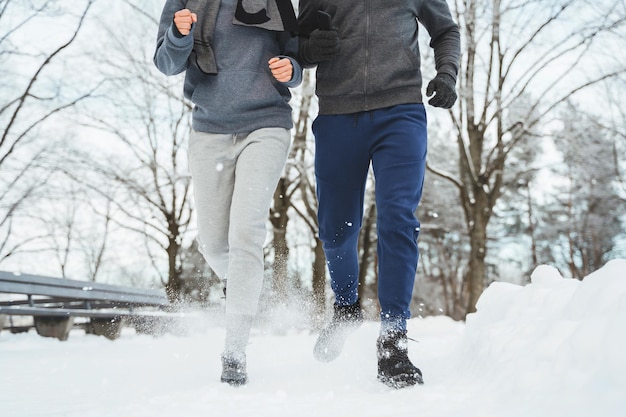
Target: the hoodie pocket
(237, 94)
(393, 65)
(345, 74)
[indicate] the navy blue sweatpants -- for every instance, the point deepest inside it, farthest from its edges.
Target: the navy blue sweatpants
(394, 141)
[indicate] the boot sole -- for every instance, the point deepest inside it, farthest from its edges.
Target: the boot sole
(234, 380)
(400, 381)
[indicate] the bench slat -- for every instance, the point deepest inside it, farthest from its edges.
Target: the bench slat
(66, 312)
(80, 290)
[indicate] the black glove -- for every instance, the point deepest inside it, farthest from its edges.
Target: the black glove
(322, 45)
(443, 87)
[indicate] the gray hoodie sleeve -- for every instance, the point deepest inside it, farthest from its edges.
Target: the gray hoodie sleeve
(172, 51)
(444, 33)
(289, 49)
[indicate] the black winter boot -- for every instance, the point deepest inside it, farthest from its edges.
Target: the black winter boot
(330, 342)
(394, 366)
(234, 370)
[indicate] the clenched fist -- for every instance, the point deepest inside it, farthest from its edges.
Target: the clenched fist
(281, 69)
(183, 19)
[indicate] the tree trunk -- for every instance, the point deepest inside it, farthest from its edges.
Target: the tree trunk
(319, 281)
(366, 246)
(174, 284)
(477, 270)
(368, 257)
(280, 219)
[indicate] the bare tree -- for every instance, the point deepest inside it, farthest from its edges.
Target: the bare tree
(71, 231)
(368, 254)
(143, 175)
(94, 248)
(296, 192)
(582, 223)
(513, 50)
(31, 99)
(615, 125)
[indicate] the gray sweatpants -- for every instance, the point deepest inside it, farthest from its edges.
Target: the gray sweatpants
(234, 178)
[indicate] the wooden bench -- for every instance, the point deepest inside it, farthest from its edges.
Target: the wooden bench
(55, 302)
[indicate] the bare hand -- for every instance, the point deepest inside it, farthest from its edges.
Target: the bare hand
(183, 19)
(281, 69)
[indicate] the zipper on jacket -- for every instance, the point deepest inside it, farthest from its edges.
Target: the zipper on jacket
(367, 51)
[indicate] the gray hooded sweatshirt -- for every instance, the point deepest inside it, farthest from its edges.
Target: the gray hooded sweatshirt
(378, 64)
(243, 96)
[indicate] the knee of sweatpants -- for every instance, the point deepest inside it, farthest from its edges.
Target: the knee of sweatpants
(343, 236)
(215, 253)
(250, 237)
(399, 227)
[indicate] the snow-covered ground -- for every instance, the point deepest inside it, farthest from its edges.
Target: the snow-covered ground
(553, 348)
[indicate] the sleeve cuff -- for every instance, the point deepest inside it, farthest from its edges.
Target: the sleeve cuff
(177, 39)
(296, 77)
(448, 69)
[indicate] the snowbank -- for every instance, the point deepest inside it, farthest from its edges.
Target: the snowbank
(557, 345)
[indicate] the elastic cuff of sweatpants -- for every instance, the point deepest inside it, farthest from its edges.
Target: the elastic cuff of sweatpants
(238, 327)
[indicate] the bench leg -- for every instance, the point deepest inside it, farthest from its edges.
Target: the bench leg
(58, 327)
(3, 319)
(109, 328)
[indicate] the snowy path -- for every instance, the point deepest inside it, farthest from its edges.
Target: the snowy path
(526, 353)
(179, 375)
